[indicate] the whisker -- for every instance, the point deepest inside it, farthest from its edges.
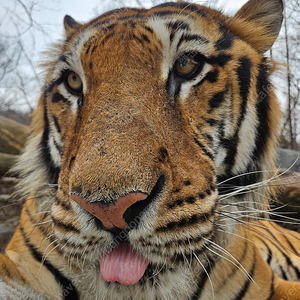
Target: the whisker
(207, 274)
(45, 257)
(237, 264)
(40, 223)
(269, 211)
(250, 225)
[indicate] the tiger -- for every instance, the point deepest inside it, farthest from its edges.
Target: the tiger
(148, 167)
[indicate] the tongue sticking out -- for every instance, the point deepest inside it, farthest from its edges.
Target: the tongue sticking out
(123, 265)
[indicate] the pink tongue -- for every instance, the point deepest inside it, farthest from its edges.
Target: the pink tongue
(123, 265)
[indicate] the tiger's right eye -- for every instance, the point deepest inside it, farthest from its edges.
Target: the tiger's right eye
(189, 65)
(185, 66)
(73, 83)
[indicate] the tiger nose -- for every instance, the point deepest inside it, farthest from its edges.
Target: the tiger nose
(116, 214)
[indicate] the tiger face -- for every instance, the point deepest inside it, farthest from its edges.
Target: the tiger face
(146, 118)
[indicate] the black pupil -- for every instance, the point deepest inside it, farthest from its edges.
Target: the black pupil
(184, 62)
(74, 78)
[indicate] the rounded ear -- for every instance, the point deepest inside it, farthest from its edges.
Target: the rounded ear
(258, 22)
(70, 25)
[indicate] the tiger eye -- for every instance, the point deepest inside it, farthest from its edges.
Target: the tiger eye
(186, 66)
(74, 82)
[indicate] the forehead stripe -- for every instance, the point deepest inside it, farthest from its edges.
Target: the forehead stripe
(185, 8)
(176, 25)
(191, 37)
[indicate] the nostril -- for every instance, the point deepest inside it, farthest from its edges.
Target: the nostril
(132, 213)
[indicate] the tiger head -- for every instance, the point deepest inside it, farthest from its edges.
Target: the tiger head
(151, 126)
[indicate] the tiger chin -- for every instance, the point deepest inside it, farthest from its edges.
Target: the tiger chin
(149, 159)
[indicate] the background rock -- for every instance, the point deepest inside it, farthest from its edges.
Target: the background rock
(13, 136)
(287, 158)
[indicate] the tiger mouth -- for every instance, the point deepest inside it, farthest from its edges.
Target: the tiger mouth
(123, 264)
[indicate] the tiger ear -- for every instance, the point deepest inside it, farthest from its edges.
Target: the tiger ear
(258, 22)
(70, 25)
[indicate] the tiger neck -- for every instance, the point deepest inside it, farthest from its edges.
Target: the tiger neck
(34, 247)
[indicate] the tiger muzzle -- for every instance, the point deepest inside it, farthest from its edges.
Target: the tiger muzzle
(125, 211)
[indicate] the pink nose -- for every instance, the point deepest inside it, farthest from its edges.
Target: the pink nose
(111, 215)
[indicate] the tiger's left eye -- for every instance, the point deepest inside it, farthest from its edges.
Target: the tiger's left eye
(187, 66)
(73, 83)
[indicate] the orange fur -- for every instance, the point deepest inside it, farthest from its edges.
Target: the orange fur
(173, 109)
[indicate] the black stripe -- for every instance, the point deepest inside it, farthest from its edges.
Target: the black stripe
(291, 245)
(45, 151)
(62, 204)
(48, 89)
(58, 147)
(285, 237)
(244, 78)
(106, 38)
(64, 59)
(235, 269)
(263, 88)
(44, 230)
(270, 253)
(203, 280)
(209, 138)
(56, 124)
(95, 46)
(216, 100)
(89, 43)
(148, 29)
(272, 291)
(246, 285)
(141, 41)
(283, 274)
(57, 97)
(190, 220)
(176, 243)
(231, 146)
(191, 37)
(165, 13)
(287, 259)
(212, 76)
(69, 291)
(109, 26)
(176, 25)
(64, 226)
(225, 42)
(145, 38)
(186, 8)
(193, 219)
(221, 59)
(221, 133)
(211, 122)
(206, 152)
